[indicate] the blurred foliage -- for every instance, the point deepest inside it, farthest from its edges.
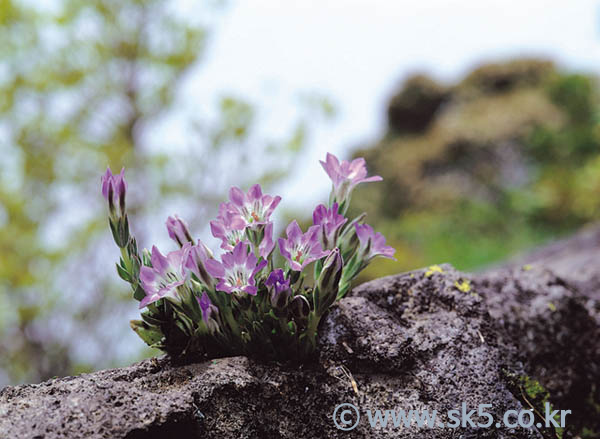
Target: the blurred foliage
(82, 86)
(473, 172)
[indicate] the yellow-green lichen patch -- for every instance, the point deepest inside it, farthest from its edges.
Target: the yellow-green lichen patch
(463, 285)
(552, 306)
(433, 269)
(527, 267)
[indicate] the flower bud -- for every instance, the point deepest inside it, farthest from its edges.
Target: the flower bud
(348, 241)
(209, 313)
(300, 307)
(279, 288)
(279, 298)
(121, 189)
(119, 226)
(327, 285)
(114, 188)
(178, 230)
(196, 263)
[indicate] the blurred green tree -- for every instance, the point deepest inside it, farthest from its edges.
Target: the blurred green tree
(82, 84)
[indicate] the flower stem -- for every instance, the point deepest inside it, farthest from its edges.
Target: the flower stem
(231, 321)
(311, 329)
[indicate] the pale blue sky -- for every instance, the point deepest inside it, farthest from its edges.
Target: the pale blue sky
(357, 51)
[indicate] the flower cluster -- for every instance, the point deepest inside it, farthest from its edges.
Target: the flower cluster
(248, 300)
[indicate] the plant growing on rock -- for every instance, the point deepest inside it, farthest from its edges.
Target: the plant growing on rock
(243, 301)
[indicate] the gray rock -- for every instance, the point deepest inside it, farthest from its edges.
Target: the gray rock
(546, 306)
(422, 340)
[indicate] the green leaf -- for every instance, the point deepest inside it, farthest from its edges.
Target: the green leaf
(151, 318)
(123, 273)
(185, 324)
(150, 334)
(139, 293)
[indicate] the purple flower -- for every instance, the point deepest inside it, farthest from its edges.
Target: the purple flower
(114, 188)
(165, 276)
(236, 270)
(372, 244)
(209, 311)
(277, 280)
(254, 207)
(178, 230)
(301, 249)
(267, 244)
(196, 263)
(229, 227)
(346, 175)
(330, 222)
(279, 287)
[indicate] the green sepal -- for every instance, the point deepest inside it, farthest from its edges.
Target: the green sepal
(139, 293)
(316, 298)
(132, 247)
(348, 227)
(146, 258)
(202, 330)
(135, 259)
(114, 232)
(318, 267)
(123, 232)
(120, 230)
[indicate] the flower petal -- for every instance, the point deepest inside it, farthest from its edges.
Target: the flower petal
(371, 179)
(215, 268)
(159, 261)
(255, 193)
(293, 231)
(239, 253)
(236, 195)
(283, 249)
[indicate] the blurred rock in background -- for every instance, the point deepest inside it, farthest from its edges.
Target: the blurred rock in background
(506, 158)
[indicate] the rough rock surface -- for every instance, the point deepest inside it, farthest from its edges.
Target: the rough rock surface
(544, 323)
(430, 339)
(576, 260)
(546, 306)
